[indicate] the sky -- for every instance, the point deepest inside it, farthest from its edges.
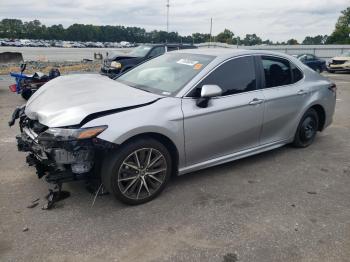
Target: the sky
(277, 20)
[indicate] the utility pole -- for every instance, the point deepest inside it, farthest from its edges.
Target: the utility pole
(167, 16)
(211, 28)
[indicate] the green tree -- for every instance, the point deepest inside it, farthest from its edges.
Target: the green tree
(292, 42)
(34, 30)
(200, 38)
(267, 42)
(251, 39)
(225, 37)
(11, 28)
(55, 32)
(315, 40)
(341, 33)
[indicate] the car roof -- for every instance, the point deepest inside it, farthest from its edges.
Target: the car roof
(224, 53)
(306, 54)
(169, 44)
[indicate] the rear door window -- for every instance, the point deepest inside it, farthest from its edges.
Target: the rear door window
(277, 71)
(297, 74)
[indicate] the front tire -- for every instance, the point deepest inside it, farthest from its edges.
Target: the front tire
(138, 172)
(307, 129)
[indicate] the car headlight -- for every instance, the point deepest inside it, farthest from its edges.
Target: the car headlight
(69, 134)
(116, 65)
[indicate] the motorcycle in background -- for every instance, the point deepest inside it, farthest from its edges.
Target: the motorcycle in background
(26, 85)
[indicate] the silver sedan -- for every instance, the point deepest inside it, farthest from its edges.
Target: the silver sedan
(178, 113)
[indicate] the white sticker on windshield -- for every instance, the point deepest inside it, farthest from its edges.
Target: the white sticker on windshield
(188, 62)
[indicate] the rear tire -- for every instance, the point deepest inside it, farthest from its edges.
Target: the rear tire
(307, 129)
(137, 172)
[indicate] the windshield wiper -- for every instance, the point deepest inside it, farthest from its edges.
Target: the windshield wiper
(137, 87)
(133, 86)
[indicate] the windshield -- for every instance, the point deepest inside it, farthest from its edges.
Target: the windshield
(140, 51)
(166, 74)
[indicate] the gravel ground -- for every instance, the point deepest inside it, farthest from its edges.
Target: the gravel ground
(45, 67)
(60, 54)
(284, 205)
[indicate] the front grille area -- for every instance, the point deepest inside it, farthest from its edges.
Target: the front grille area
(37, 127)
(33, 125)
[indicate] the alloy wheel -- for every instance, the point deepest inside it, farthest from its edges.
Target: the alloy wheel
(308, 129)
(142, 173)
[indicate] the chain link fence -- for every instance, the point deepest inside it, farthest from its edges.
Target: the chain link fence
(322, 51)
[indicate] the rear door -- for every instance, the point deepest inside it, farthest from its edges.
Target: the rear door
(231, 122)
(284, 96)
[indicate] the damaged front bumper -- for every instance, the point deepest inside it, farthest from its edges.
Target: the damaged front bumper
(60, 160)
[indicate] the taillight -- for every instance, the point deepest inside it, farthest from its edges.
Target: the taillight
(333, 87)
(13, 88)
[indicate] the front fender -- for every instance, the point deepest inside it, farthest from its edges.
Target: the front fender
(163, 117)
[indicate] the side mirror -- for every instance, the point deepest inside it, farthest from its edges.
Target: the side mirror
(211, 91)
(207, 92)
(23, 67)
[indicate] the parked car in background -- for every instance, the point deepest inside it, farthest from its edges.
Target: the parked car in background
(116, 63)
(177, 113)
(340, 63)
(312, 61)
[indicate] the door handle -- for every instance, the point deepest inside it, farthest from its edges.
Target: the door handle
(256, 101)
(301, 92)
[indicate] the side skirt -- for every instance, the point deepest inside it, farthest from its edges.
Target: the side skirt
(234, 156)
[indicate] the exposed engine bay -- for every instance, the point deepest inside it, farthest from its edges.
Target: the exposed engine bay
(60, 157)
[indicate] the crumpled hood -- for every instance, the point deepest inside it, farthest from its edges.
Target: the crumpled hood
(119, 55)
(67, 100)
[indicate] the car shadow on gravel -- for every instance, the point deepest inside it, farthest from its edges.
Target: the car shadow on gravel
(228, 169)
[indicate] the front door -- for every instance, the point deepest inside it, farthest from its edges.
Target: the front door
(231, 122)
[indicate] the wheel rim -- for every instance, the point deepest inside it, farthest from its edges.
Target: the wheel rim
(142, 173)
(308, 129)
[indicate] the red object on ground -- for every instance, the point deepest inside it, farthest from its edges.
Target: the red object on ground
(13, 88)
